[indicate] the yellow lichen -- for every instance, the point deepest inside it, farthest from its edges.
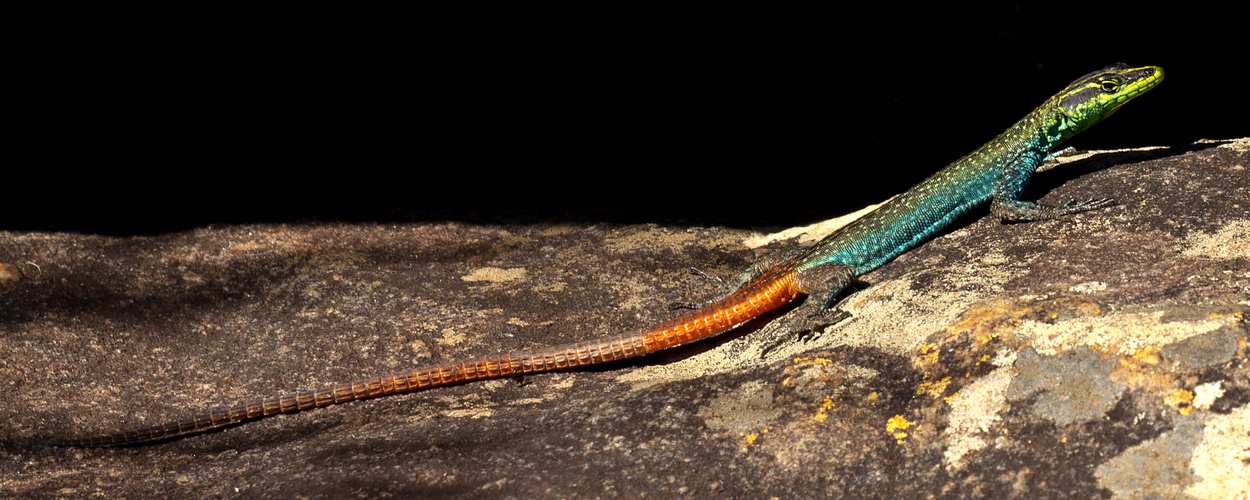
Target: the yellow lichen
(814, 361)
(1148, 355)
(934, 388)
(895, 426)
(927, 358)
(827, 404)
(1181, 396)
(1182, 400)
(898, 422)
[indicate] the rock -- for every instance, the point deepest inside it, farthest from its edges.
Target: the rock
(1102, 354)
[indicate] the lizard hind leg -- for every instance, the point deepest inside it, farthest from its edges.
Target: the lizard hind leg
(677, 304)
(760, 266)
(823, 283)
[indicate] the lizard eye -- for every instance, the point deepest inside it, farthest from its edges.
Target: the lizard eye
(1109, 86)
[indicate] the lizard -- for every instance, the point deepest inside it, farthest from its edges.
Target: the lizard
(997, 171)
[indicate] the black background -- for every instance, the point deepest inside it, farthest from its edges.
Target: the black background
(738, 116)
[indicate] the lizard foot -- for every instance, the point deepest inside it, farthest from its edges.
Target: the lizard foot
(808, 328)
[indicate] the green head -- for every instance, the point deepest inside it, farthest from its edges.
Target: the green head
(1099, 94)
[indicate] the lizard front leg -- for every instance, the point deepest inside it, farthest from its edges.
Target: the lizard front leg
(1016, 210)
(1008, 207)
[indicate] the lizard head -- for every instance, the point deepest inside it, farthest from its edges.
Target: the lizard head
(1095, 96)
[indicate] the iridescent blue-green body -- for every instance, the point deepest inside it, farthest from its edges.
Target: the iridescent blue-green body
(998, 170)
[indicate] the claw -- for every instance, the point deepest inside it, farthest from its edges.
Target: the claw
(676, 304)
(699, 272)
(1072, 207)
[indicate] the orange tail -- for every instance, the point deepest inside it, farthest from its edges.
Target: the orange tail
(769, 291)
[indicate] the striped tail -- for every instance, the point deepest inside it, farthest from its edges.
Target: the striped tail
(769, 291)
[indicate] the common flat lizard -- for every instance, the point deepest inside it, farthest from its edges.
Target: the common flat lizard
(996, 171)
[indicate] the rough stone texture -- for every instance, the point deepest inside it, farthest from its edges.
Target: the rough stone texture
(1103, 355)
